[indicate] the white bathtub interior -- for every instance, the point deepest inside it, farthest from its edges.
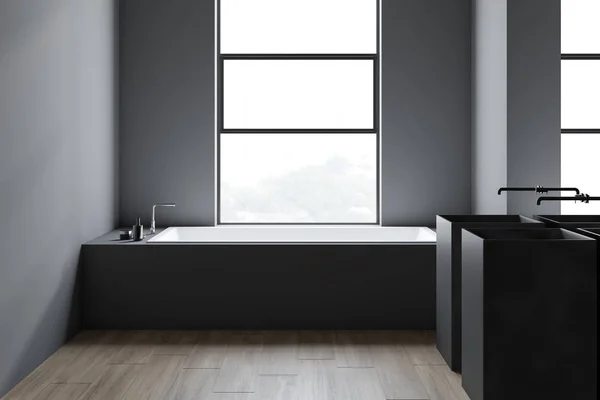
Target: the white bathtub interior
(295, 234)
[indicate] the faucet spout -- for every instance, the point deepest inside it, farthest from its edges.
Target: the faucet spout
(584, 198)
(153, 223)
(538, 189)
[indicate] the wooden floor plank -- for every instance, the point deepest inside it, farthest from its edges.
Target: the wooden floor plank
(271, 387)
(317, 380)
(139, 347)
(209, 351)
(358, 384)
(316, 345)
(63, 391)
(279, 354)
(155, 378)
(397, 375)
(352, 350)
(239, 372)
(33, 384)
(114, 383)
(232, 396)
(455, 380)
(193, 384)
(420, 346)
(176, 343)
(251, 365)
(91, 364)
(441, 383)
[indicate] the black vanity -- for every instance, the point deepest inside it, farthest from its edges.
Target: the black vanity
(448, 275)
(529, 323)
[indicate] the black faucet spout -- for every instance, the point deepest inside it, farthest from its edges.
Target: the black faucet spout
(538, 189)
(584, 198)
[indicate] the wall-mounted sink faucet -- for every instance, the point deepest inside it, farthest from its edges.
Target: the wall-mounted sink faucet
(537, 189)
(584, 198)
(153, 224)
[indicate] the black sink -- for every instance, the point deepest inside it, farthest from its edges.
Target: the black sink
(570, 221)
(591, 232)
(448, 275)
(529, 323)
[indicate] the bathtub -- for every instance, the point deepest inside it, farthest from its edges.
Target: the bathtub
(262, 277)
(295, 234)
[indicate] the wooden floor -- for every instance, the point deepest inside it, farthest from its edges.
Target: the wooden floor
(260, 365)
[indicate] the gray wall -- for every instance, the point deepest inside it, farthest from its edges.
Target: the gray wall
(167, 110)
(426, 101)
(167, 115)
(516, 103)
(57, 167)
(429, 157)
(533, 101)
(489, 112)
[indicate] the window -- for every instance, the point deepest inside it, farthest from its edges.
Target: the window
(580, 139)
(323, 94)
(298, 111)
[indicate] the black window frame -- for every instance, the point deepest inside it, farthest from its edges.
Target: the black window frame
(376, 130)
(582, 57)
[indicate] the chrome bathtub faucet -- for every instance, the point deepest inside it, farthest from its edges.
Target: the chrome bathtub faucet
(153, 224)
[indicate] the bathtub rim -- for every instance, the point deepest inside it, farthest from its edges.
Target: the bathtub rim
(152, 239)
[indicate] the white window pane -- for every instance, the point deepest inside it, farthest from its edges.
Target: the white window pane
(298, 178)
(581, 26)
(298, 94)
(298, 26)
(580, 94)
(580, 168)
